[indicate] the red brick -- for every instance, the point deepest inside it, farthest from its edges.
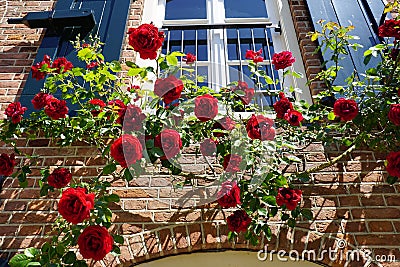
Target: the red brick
(380, 226)
(376, 213)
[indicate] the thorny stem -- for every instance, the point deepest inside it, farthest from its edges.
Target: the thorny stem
(329, 162)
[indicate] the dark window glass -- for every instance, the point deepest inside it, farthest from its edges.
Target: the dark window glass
(245, 9)
(185, 41)
(185, 9)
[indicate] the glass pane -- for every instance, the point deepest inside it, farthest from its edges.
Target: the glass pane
(185, 9)
(186, 42)
(245, 9)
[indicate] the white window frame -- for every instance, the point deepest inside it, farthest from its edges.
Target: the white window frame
(278, 12)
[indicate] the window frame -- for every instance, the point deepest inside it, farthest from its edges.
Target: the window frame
(278, 12)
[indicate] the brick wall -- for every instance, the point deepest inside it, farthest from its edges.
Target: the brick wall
(350, 200)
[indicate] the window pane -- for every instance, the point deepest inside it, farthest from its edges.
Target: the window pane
(185, 9)
(185, 41)
(245, 9)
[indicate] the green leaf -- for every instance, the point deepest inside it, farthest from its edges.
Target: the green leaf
(69, 258)
(134, 71)
(307, 214)
(110, 168)
(270, 200)
(331, 116)
(31, 252)
(112, 198)
(392, 179)
(285, 217)
(118, 239)
(291, 222)
(268, 79)
(19, 260)
(116, 251)
(262, 212)
(172, 60)
(115, 66)
(128, 175)
(34, 263)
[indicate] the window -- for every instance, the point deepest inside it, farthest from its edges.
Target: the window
(219, 32)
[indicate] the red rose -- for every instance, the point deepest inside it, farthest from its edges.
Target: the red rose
(134, 89)
(56, 109)
(146, 40)
(75, 205)
(62, 65)
(288, 197)
(229, 195)
(282, 106)
(7, 164)
(205, 107)
(390, 28)
(190, 58)
(225, 123)
(238, 221)
(126, 150)
(59, 178)
(260, 127)
(36, 69)
(249, 92)
(170, 142)
(283, 60)
(15, 112)
(208, 147)
(95, 242)
(98, 105)
(255, 56)
(293, 117)
(393, 164)
(118, 106)
(92, 65)
(346, 109)
(394, 114)
(169, 89)
(231, 163)
(133, 118)
(39, 101)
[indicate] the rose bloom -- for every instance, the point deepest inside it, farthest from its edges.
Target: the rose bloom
(170, 142)
(36, 68)
(255, 56)
(169, 89)
(205, 107)
(231, 163)
(75, 205)
(126, 150)
(238, 221)
(249, 92)
(208, 147)
(283, 60)
(293, 117)
(190, 58)
(98, 104)
(260, 127)
(146, 40)
(59, 178)
(92, 65)
(393, 164)
(282, 106)
(394, 114)
(14, 111)
(56, 109)
(95, 242)
(39, 101)
(62, 65)
(118, 106)
(346, 109)
(390, 28)
(133, 119)
(229, 195)
(226, 123)
(288, 197)
(7, 164)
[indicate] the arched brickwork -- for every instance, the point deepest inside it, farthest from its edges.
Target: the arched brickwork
(350, 201)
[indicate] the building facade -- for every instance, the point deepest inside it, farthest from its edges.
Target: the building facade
(354, 208)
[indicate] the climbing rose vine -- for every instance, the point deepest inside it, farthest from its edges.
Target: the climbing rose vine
(133, 125)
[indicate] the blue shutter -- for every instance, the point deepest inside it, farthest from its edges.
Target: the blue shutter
(111, 17)
(363, 14)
